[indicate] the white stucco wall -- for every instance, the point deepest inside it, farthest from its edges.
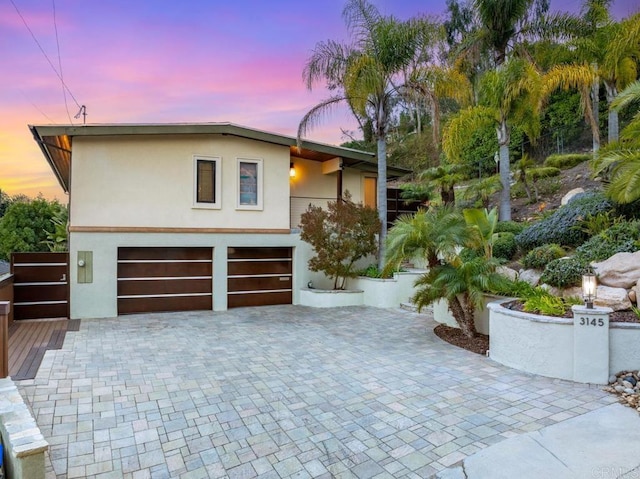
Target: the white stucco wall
(624, 347)
(442, 314)
(386, 293)
(140, 181)
(99, 298)
(531, 343)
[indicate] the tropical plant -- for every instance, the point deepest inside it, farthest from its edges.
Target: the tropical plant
(432, 234)
(509, 95)
(483, 223)
(448, 243)
(444, 177)
(57, 237)
(463, 284)
(482, 189)
(340, 235)
(621, 161)
(367, 74)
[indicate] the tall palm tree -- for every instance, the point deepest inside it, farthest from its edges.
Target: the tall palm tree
(509, 95)
(367, 73)
(612, 49)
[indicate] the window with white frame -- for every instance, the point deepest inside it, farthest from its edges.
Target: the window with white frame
(207, 179)
(249, 184)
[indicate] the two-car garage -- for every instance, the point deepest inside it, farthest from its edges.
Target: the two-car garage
(154, 279)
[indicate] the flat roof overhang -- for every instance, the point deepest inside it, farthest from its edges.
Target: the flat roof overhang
(56, 142)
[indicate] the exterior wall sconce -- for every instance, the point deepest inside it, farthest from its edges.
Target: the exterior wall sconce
(292, 170)
(589, 288)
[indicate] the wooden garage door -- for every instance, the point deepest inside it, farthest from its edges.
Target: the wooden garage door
(164, 279)
(259, 276)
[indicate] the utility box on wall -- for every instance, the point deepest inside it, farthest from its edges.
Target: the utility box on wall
(85, 266)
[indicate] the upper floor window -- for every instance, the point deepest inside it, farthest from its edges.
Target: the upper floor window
(207, 181)
(249, 184)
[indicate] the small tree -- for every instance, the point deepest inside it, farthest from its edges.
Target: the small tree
(25, 224)
(340, 235)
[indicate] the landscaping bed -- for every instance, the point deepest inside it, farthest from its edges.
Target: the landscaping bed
(478, 344)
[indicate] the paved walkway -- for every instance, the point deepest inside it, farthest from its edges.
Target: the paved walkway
(279, 392)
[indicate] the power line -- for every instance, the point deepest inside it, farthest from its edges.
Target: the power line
(44, 53)
(64, 93)
(36, 106)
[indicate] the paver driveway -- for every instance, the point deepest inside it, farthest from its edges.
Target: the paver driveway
(280, 392)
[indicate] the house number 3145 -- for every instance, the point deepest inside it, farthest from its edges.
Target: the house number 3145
(591, 321)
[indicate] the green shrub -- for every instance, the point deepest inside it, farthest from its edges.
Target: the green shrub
(623, 237)
(550, 305)
(509, 227)
(565, 272)
(558, 227)
(504, 245)
(536, 174)
(539, 257)
(564, 162)
(595, 224)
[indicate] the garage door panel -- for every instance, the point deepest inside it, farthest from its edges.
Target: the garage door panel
(259, 267)
(259, 299)
(164, 253)
(258, 253)
(254, 284)
(145, 270)
(162, 304)
(175, 286)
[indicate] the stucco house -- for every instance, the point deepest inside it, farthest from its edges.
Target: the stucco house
(172, 217)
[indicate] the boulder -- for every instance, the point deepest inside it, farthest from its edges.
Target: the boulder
(633, 296)
(622, 270)
(531, 276)
(637, 289)
(512, 274)
(574, 291)
(570, 194)
(614, 298)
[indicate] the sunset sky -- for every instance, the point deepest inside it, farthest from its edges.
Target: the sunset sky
(165, 61)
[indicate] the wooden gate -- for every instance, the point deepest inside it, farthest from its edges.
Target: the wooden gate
(40, 285)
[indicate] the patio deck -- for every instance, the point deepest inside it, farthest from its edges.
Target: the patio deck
(29, 340)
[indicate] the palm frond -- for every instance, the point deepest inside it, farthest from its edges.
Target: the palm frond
(630, 94)
(314, 116)
(457, 131)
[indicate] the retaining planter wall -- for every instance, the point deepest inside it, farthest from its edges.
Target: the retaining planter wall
(376, 292)
(442, 314)
(553, 347)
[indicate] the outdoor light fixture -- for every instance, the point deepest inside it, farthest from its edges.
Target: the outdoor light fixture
(589, 288)
(292, 170)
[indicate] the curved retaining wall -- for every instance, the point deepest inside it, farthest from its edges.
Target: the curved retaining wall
(547, 346)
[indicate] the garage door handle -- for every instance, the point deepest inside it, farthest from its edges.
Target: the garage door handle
(284, 278)
(64, 277)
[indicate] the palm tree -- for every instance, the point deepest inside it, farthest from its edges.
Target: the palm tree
(439, 235)
(444, 177)
(509, 95)
(621, 160)
(432, 234)
(436, 83)
(463, 284)
(612, 49)
(367, 74)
